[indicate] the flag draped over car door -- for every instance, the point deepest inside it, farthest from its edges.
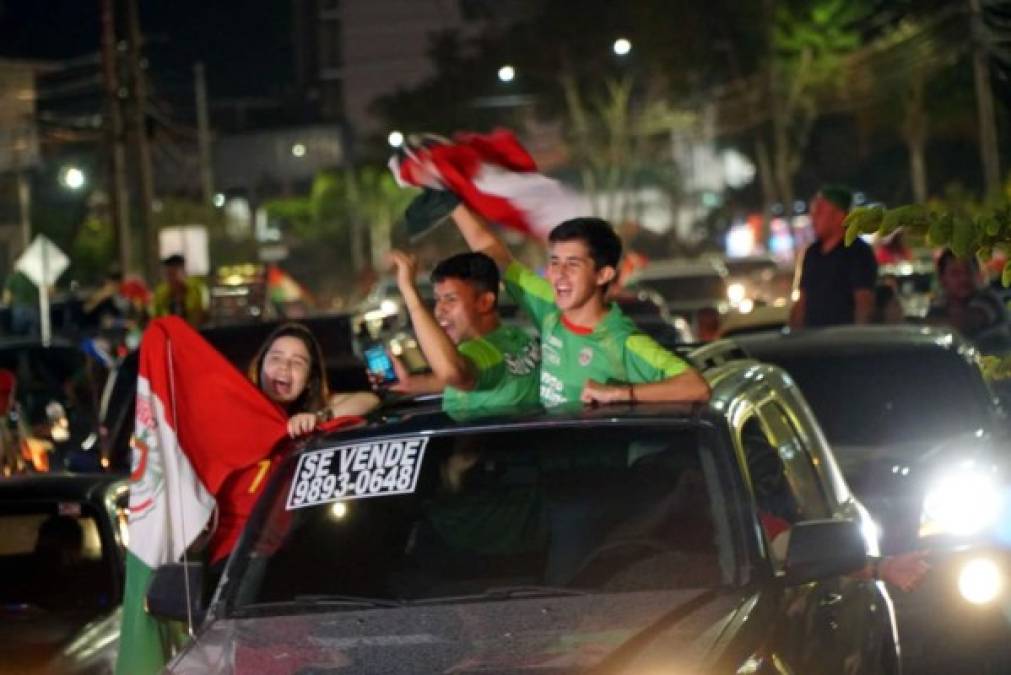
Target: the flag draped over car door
(493, 175)
(198, 420)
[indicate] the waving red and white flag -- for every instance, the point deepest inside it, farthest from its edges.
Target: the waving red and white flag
(198, 421)
(492, 174)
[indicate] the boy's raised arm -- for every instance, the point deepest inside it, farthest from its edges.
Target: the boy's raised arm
(480, 237)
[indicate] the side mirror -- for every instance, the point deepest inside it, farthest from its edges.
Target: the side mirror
(821, 549)
(166, 594)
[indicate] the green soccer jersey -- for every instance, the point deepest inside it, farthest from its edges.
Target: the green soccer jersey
(615, 351)
(507, 361)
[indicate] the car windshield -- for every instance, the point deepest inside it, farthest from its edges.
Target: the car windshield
(490, 516)
(689, 288)
(52, 557)
(890, 396)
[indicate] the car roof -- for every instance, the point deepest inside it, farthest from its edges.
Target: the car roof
(679, 267)
(727, 377)
(850, 339)
(82, 487)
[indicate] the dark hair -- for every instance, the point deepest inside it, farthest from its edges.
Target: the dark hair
(598, 235)
(174, 260)
(948, 257)
(316, 393)
(840, 195)
(476, 269)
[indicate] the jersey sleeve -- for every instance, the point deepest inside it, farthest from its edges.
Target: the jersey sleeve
(647, 361)
(488, 363)
(532, 293)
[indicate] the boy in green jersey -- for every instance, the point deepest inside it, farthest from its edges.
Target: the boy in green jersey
(590, 351)
(476, 361)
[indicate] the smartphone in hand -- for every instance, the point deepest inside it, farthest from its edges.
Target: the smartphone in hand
(379, 364)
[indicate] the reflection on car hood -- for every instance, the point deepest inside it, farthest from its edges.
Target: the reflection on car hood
(558, 634)
(31, 639)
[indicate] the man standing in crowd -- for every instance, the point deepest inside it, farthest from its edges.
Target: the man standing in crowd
(975, 312)
(590, 351)
(837, 281)
(476, 361)
(179, 294)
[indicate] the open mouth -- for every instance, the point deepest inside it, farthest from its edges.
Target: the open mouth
(281, 387)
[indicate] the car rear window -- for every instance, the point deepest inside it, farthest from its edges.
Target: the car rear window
(52, 557)
(890, 396)
(596, 510)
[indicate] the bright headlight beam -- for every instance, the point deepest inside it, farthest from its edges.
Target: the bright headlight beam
(736, 293)
(980, 581)
(963, 503)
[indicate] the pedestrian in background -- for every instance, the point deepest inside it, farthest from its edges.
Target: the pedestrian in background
(837, 281)
(179, 294)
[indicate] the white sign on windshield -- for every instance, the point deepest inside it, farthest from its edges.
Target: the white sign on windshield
(357, 471)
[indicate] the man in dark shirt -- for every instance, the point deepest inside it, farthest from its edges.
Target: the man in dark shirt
(837, 281)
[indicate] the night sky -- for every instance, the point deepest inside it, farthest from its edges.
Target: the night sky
(245, 44)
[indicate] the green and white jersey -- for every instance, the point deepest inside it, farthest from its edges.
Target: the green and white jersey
(507, 362)
(615, 351)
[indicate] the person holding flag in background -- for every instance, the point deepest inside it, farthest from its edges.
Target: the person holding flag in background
(204, 439)
(590, 351)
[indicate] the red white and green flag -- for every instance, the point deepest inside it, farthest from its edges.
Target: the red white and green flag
(198, 420)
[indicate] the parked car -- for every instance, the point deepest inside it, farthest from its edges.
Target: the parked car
(758, 280)
(922, 439)
(614, 539)
(686, 285)
(61, 573)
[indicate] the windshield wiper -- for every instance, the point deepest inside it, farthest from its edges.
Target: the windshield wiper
(505, 593)
(345, 600)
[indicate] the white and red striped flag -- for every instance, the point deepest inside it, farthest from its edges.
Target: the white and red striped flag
(492, 174)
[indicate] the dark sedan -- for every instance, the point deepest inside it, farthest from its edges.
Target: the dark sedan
(617, 540)
(922, 440)
(61, 573)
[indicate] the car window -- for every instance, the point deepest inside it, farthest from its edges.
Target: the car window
(687, 288)
(52, 557)
(800, 472)
(593, 509)
(916, 395)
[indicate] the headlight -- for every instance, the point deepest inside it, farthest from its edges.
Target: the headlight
(963, 503)
(980, 581)
(735, 293)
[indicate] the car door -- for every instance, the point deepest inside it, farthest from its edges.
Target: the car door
(844, 605)
(814, 632)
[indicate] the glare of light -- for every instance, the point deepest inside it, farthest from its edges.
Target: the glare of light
(339, 510)
(621, 46)
(395, 139)
(747, 306)
(105, 462)
(795, 295)
(740, 240)
(980, 581)
(506, 74)
(219, 200)
(962, 503)
(736, 293)
(389, 307)
(72, 177)
(298, 150)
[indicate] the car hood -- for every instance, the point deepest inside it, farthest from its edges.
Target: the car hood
(549, 635)
(34, 640)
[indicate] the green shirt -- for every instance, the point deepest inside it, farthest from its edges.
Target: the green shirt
(507, 362)
(615, 351)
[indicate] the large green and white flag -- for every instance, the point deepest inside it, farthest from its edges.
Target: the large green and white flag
(198, 421)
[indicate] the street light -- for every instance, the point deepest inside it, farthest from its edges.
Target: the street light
(621, 46)
(298, 150)
(506, 73)
(219, 200)
(395, 139)
(72, 178)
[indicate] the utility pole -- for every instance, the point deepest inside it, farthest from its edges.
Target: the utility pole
(143, 148)
(984, 102)
(203, 134)
(119, 206)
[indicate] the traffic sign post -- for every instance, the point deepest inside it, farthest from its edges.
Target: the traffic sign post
(43, 262)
